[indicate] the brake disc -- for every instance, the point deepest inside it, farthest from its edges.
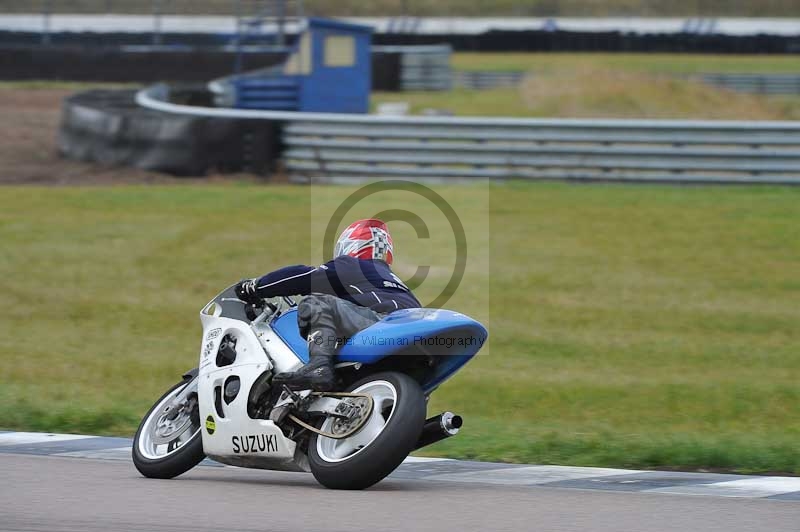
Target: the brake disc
(358, 412)
(168, 430)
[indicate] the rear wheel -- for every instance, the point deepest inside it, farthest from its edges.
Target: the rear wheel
(385, 440)
(168, 442)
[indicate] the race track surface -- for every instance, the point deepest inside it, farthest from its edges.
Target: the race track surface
(49, 483)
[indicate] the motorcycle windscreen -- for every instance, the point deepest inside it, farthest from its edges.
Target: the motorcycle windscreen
(227, 305)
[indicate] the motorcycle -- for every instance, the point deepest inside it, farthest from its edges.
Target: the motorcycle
(350, 438)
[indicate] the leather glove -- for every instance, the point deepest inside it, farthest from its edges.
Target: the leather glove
(246, 291)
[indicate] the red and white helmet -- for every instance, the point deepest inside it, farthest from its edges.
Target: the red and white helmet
(366, 239)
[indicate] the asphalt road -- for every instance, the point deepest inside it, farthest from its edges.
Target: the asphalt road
(46, 493)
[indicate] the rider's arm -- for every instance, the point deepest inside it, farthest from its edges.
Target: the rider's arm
(288, 281)
(299, 280)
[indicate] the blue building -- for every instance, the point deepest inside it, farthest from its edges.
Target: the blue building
(328, 70)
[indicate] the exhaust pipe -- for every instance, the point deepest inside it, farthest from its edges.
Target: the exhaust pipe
(438, 428)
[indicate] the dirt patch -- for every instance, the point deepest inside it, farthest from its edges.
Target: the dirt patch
(29, 154)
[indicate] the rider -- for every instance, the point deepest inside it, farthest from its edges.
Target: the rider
(343, 296)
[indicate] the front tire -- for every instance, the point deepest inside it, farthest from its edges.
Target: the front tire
(381, 445)
(166, 448)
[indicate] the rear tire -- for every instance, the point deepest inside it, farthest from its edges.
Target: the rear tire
(367, 458)
(173, 462)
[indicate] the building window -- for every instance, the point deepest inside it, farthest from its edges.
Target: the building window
(340, 51)
(300, 61)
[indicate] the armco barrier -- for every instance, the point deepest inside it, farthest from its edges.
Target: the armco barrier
(753, 83)
(635, 150)
(422, 68)
(331, 147)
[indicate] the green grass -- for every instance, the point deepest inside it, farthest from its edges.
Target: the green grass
(625, 62)
(635, 326)
(35, 84)
(586, 85)
(601, 96)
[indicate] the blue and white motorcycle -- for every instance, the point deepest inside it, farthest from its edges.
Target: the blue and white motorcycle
(228, 410)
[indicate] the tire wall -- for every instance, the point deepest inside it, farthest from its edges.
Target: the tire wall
(93, 39)
(78, 63)
(496, 40)
(612, 41)
(106, 127)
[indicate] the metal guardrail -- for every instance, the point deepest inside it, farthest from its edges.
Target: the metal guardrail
(754, 83)
(423, 68)
(580, 150)
(347, 148)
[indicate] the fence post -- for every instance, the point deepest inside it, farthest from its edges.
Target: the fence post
(47, 6)
(156, 22)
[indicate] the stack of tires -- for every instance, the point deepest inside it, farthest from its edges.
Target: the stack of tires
(108, 127)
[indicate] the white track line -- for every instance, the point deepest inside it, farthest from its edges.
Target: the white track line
(423, 459)
(531, 475)
(20, 438)
(746, 487)
(118, 453)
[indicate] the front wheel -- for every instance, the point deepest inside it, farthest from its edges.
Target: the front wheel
(168, 442)
(383, 443)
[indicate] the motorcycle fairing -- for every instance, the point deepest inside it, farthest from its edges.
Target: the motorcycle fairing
(450, 338)
(235, 438)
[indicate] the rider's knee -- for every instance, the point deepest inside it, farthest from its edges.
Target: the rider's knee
(310, 309)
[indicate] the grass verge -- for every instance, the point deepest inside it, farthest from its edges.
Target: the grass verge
(632, 326)
(625, 62)
(586, 85)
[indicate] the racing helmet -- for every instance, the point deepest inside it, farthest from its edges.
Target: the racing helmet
(366, 239)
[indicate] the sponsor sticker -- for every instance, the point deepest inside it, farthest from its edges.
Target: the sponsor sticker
(207, 349)
(211, 426)
(213, 333)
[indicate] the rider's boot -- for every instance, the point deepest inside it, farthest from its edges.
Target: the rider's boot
(318, 374)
